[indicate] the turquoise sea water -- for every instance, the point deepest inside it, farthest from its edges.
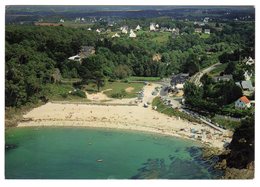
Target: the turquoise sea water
(73, 153)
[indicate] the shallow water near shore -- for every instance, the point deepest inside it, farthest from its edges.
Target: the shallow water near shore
(86, 153)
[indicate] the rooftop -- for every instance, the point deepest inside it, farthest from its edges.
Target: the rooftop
(244, 99)
(247, 85)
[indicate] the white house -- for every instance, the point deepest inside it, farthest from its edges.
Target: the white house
(247, 75)
(247, 85)
(124, 29)
(242, 103)
(89, 29)
(250, 61)
(62, 20)
(138, 28)
(132, 34)
(116, 36)
(98, 31)
(180, 86)
(198, 30)
(157, 26)
(207, 31)
(75, 58)
(206, 20)
(77, 20)
(152, 27)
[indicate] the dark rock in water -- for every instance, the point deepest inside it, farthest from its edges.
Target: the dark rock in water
(177, 169)
(194, 151)
(10, 146)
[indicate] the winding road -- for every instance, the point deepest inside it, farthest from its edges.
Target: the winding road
(196, 78)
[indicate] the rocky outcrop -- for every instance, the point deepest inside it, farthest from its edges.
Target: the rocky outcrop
(238, 161)
(234, 173)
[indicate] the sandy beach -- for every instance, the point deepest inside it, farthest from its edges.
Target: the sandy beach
(118, 117)
(117, 114)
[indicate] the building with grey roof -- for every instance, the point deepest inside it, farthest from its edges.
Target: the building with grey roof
(247, 85)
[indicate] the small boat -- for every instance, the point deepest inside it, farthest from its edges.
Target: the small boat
(100, 160)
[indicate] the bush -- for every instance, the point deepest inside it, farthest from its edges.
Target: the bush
(111, 80)
(235, 112)
(64, 95)
(126, 81)
(79, 93)
(120, 94)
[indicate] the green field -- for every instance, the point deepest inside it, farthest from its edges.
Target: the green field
(204, 36)
(70, 80)
(117, 89)
(227, 123)
(135, 78)
(161, 37)
(169, 111)
(58, 92)
(157, 37)
(76, 25)
(218, 70)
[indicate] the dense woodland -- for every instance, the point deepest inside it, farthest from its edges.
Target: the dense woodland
(33, 52)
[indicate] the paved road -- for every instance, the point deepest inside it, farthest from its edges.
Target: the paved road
(203, 120)
(196, 78)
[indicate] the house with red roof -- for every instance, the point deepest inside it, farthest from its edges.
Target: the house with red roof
(242, 103)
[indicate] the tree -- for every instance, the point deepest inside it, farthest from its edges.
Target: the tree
(242, 146)
(191, 90)
(238, 75)
(92, 70)
(230, 68)
(99, 79)
(122, 71)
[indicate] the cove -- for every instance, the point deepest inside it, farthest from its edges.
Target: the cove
(89, 153)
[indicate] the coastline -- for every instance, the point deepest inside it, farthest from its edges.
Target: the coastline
(134, 118)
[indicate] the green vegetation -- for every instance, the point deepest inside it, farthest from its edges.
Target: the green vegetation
(70, 80)
(212, 97)
(216, 72)
(117, 89)
(161, 38)
(227, 123)
(13, 115)
(120, 87)
(58, 92)
(149, 79)
(170, 111)
(242, 145)
(34, 52)
(204, 36)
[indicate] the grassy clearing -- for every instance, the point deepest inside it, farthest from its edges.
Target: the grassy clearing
(218, 70)
(169, 111)
(72, 80)
(135, 78)
(227, 123)
(204, 36)
(76, 25)
(117, 88)
(161, 38)
(58, 92)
